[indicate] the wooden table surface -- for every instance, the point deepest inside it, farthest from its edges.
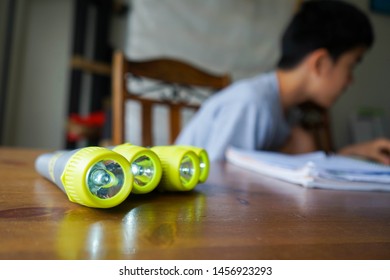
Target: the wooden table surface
(236, 214)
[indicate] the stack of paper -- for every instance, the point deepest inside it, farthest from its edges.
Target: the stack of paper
(315, 170)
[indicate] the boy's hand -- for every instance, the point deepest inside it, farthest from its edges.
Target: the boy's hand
(378, 150)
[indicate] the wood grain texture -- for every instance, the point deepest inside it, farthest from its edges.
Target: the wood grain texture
(234, 215)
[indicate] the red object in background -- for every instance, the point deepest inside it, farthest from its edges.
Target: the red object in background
(82, 127)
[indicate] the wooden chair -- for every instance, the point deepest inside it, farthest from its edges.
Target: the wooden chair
(169, 72)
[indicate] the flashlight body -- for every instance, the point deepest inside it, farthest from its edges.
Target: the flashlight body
(52, 165)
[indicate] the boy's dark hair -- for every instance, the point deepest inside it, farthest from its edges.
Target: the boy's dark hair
(334, 25)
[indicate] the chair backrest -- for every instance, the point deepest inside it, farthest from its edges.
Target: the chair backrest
(172, 73)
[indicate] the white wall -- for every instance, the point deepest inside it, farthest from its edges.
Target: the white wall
(39, 74)
(221, 36)
(371, 87)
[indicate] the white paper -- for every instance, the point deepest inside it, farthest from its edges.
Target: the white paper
(315, 170)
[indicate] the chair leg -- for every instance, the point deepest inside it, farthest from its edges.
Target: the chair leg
(147, 125)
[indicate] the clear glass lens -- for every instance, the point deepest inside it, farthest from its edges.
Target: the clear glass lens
(105, 179)
(143, 170)
(186, 169)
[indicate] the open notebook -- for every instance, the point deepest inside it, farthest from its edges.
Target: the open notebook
(315, 170)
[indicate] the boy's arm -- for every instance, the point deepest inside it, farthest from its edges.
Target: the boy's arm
(378, 150)
(299, 141)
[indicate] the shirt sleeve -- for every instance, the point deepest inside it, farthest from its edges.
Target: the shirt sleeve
(238, 126)
(222, 132)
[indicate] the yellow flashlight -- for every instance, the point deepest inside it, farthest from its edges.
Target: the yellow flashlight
(145, 166)
(180, 168)
(92, 176)
(204, 162)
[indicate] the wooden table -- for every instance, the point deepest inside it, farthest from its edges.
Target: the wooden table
(235, 215)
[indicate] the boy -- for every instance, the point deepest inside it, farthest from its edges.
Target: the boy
(320, 48)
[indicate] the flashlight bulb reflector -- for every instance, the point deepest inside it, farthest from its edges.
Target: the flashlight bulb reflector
(186, 170)
(143, 169)
(105, 179)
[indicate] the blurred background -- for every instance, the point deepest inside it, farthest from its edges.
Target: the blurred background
(55, 60)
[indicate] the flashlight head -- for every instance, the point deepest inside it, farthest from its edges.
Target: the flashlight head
(204, 162)
(97, 177)
(145, 167)
(180, 168)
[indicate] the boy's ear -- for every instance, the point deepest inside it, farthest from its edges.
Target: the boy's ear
(319, 61)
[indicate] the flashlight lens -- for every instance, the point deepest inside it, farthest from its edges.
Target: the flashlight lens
(186, 169)
(143, 170)
(105, 179)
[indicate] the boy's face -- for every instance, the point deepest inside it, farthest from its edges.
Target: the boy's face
(337, 76)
